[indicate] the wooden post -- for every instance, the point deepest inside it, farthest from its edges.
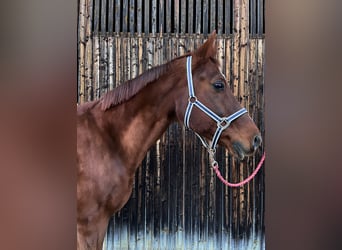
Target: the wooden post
(96, 67)
(111, 63)
(81, 50)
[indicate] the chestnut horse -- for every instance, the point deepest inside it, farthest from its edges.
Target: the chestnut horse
(115, 132)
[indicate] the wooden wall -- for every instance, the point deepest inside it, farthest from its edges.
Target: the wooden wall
(177, 202)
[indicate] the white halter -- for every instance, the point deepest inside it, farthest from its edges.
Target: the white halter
(222, 122)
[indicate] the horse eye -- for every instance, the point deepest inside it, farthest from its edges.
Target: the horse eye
(218, 85)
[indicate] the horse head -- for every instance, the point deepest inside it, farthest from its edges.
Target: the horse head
(212, 111)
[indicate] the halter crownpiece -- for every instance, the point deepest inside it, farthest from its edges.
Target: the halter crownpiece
(222, 122)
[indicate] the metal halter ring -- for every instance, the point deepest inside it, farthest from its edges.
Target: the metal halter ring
(192, 99)
(223, 124)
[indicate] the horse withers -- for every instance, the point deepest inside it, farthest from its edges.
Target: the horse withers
(115, 132)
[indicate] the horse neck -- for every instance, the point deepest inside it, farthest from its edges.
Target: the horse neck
(140, 121)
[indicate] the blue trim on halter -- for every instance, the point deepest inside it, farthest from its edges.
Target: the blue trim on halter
(222, 122)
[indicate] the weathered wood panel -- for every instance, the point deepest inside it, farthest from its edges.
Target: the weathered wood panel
(177, 201)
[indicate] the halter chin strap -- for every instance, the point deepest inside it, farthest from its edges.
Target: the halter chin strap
(222, 122)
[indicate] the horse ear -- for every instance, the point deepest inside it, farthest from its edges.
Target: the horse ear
(209, 48)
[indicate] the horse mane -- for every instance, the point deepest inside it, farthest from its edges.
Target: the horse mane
(131, 87)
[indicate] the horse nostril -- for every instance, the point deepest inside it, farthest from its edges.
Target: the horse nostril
(257, 141)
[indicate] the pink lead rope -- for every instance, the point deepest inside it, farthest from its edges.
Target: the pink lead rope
(217, 171)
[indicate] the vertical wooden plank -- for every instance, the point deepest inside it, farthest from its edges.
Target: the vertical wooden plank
(243, 95)
(140, 54)
(212, 15)
(110, 16)
(198, 21)
(168, 8)
(89, 88)
(103, 65)
(139, 16)
(205, 16)
(227, 17)
(154, 17)
(252, 17)
(236, 46)
(103, 16)
(228, 62)
(252, 81)
(244, 46)
(175, 28)
(134, 57)
(190, 16)
(117, 60)
(89, 19)
(132, 23)
(220, 17)
(147, 17)
(117, 16)
(150, 49)
(260, 16)
(96, 66)
(124, 16)
(96, 16)
(184, 202)
(261, 65)
(161, 17)
(221, 54)
(111, 63)
(126, 69)
(81, 50)
(183, 14)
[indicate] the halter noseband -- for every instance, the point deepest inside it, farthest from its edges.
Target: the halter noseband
(222, 122)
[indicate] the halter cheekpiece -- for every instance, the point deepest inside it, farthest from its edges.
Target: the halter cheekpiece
(222, 122)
